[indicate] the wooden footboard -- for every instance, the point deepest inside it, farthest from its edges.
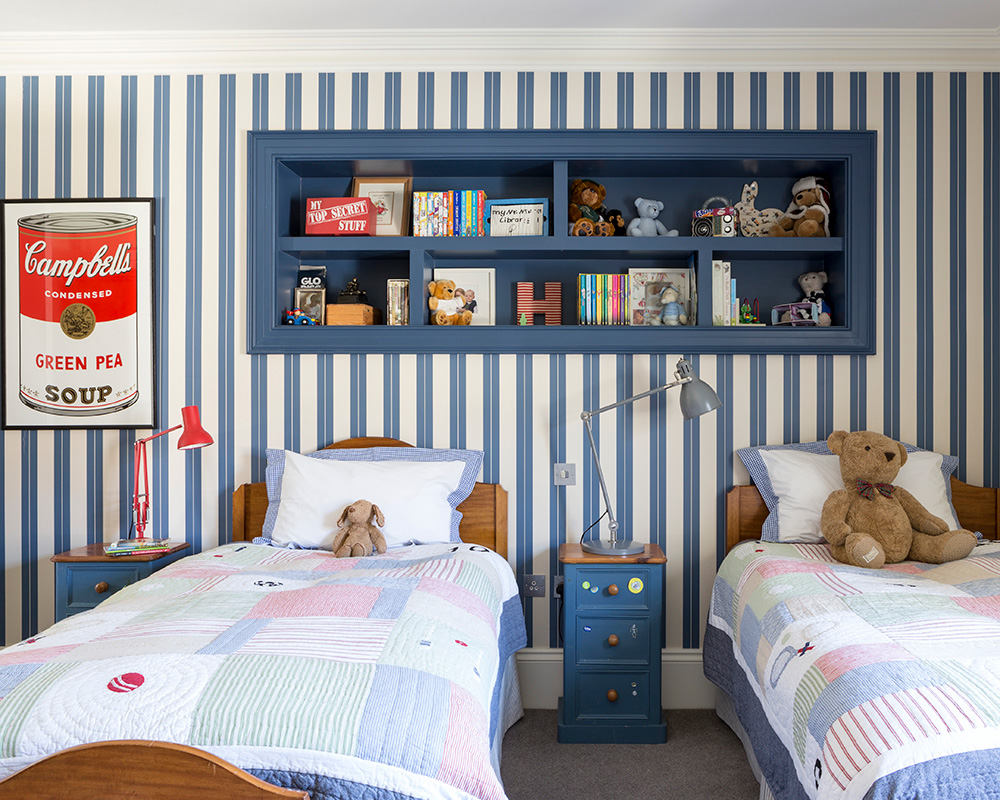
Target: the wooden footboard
(978, 509)
(138, 770)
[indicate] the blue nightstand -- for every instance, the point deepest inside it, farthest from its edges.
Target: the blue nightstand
(612, 618)
(85, 575)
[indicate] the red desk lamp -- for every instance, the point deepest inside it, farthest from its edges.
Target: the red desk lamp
(192, 437)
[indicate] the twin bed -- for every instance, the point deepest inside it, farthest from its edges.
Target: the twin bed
(851, 683)
(251, 670)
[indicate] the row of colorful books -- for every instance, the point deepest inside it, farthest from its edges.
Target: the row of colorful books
(459, 212)
(603, 299)
(134, 547)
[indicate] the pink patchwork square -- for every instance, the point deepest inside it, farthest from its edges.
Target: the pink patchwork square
(317, 601)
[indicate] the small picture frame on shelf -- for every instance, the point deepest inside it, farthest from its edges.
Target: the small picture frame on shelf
(391, 197)
(650, 304)
(397, 301)
(525, 217)
(477, 288)
(312, 303)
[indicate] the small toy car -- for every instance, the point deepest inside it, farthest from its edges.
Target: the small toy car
(298, 317)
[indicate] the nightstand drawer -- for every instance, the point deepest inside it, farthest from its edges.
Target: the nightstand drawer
(90, 584)
(608, 588)
(603, 695)
(623, 640)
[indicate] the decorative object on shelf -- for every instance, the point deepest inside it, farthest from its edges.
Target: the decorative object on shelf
(712, 220)
(358, 536)
(647, 224)
(340, 216)
(812, 284)
(299, 317)
(795, 314)
(397, 301)
(193, 436)
(517, 217)
(646, 289)
(77, 314)
(617, 220)
(352, 314)
(310, 292)
(550, 305)
(446, 308)
(391, 198)
(586, 209)
(809, 212)
(750, 313)
(697, 398)
(754, 221)
(353, 293)
(476, 288)
(522, 320)
(671, 312)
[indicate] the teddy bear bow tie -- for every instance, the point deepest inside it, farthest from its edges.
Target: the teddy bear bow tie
(866, 489)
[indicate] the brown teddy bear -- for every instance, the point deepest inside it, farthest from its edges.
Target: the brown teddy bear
(446, 308)
(360, 536)
(809, 212)
(870, 522)
(587, 211)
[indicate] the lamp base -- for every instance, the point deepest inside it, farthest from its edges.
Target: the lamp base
(623, 547)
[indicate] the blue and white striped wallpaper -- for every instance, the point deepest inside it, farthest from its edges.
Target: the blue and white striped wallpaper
(182, 139)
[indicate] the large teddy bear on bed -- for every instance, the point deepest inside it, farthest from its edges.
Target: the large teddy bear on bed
(870, 522)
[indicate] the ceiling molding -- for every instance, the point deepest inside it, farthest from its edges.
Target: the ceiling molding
(500, 49)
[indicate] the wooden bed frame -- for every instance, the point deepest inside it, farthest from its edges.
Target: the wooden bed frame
(125, 770)
(978, 510)
(484, 512)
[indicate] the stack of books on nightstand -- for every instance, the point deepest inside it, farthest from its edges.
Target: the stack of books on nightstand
(134, 547)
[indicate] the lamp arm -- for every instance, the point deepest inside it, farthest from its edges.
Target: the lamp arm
(157, 435)
(586, 416)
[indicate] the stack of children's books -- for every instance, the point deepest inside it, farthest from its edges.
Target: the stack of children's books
(460, 212)
(136, 547)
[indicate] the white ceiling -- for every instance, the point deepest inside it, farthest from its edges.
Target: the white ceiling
(396, 15)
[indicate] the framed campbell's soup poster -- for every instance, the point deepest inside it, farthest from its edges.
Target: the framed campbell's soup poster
(77, 299)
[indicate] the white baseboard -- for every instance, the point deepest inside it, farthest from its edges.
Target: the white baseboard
(684, 684)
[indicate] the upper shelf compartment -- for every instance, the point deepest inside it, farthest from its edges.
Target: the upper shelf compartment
(681, 168)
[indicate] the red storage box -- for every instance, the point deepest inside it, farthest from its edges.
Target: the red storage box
(340, 216)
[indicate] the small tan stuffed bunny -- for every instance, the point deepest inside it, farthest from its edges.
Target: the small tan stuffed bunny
(360, 536)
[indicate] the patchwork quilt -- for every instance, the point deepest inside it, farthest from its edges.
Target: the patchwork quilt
(855, 683)
(374, 678)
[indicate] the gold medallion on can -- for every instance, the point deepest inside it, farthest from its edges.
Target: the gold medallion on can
(77, 321)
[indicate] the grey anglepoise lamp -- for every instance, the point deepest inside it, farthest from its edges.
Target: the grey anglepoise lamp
(697, 398)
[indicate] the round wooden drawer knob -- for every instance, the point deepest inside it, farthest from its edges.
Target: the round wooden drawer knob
(612, 695)
(613, 640)
(101, 588)
(613, 589)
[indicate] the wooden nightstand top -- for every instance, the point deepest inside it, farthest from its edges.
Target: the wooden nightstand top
(95, 552)
(573, 553)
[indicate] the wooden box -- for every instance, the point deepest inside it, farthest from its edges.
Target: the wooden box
(352, 314)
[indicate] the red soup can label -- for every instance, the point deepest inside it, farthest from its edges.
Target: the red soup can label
(78, 304)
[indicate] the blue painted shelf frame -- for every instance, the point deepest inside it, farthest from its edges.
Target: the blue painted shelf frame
(681, 168)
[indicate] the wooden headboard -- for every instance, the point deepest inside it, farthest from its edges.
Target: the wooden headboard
(978, 510)
(484, 512)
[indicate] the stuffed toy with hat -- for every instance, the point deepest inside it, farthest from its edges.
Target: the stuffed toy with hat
(809, 212)
(360, 536)
(871, 522)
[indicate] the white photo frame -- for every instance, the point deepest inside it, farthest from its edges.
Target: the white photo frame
(482, 283)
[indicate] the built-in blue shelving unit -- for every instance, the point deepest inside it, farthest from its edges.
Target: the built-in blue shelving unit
(681, 168)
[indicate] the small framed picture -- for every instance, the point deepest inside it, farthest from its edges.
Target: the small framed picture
(517, 217)
(662, 297)
(312, 303)
(391, 198)
(477, 288)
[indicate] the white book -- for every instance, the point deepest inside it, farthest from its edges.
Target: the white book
(719, 279)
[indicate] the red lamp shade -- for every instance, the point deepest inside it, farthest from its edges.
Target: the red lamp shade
(193, 436)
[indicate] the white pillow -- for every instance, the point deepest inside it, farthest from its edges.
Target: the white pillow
(801, 482)
(412, 495)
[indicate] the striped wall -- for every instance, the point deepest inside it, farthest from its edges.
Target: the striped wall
(182, 139)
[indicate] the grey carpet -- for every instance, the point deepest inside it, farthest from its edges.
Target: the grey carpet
(701, 759)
